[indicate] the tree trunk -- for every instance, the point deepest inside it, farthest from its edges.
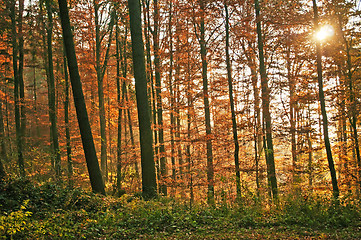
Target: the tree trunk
(101, 69)
(231, 100)
(271, 171)
(82, 115)
(158, 90)
(207, 114)
(14, 36)
(21, 73)
(147, 158)
(3, 155)
(291, 85)
(150, 80)
(323, 108)
(119, 130)
(51, 92)
(67, 129)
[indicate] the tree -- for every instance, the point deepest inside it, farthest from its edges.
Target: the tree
(147, 157)
(321, 95)
(95, 175)
(271, 171)
(14, 41)
(158, 89)
(207, 114)
(101, 69)
(51, 91)
(231, 100)
(66, 120)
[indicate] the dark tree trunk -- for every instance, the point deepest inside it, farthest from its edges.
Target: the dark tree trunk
(101, 69)
(3, 155)
(82, 115)
(19, 138)
(158, 90)
(207, 114)
(271, 170)
(51, 92)
(67, 129)
(21, 73)
(231, 100)
(150, 80)
(147, 158)
(323, 108)
(119, 130)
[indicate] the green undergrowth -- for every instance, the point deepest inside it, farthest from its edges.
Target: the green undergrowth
(48, 211)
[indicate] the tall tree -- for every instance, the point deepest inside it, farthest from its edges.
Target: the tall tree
(158, 90)
(19, 139)
(82, 115)
(101, 69)
(231, 100)
(207, 114)
(67, 125)
(149, 183)
(271, 170)
(51, 90)
(321, 96)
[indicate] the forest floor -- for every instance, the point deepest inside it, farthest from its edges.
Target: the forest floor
(48, 211)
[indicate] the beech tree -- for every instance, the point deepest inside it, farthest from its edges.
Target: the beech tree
(323, 108)
(269, 152)
(95, 175)
(147, 157)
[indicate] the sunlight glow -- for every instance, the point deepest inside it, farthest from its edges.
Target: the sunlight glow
(324, 33)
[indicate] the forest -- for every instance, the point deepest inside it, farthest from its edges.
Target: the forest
(180, 119)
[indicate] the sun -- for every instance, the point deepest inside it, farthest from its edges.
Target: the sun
(324, 33)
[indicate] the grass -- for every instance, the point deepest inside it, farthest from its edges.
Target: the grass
(48, 211)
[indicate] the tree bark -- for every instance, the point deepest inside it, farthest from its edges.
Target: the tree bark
(19, 138)
(51, 92)
(271, 171)
(95, 175)
(67, 129)
(149, 183)
(231, 100)
(321, 95)
(207, 114)
(101, 69)
(158, 90)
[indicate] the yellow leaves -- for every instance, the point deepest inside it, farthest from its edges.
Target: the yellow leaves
(15, 222)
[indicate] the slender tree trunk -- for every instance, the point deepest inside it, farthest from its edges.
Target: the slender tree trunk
(207, 114)
(119, 131)
(82, 115)
(67, 125)
(171, 91)
(353, 111)
(147, 158)
(291, 85)
(150, 80)
(19, 141)
(258, 142)
(131, 133)
(271, 170)
(2, 144)
(21, 73)
(310, 151)
(158, 90)
(323, 108)
(51, 92)
(189, 107)
(231, 100)
(101, 69)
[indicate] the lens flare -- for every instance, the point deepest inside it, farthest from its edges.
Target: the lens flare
(324, 33)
